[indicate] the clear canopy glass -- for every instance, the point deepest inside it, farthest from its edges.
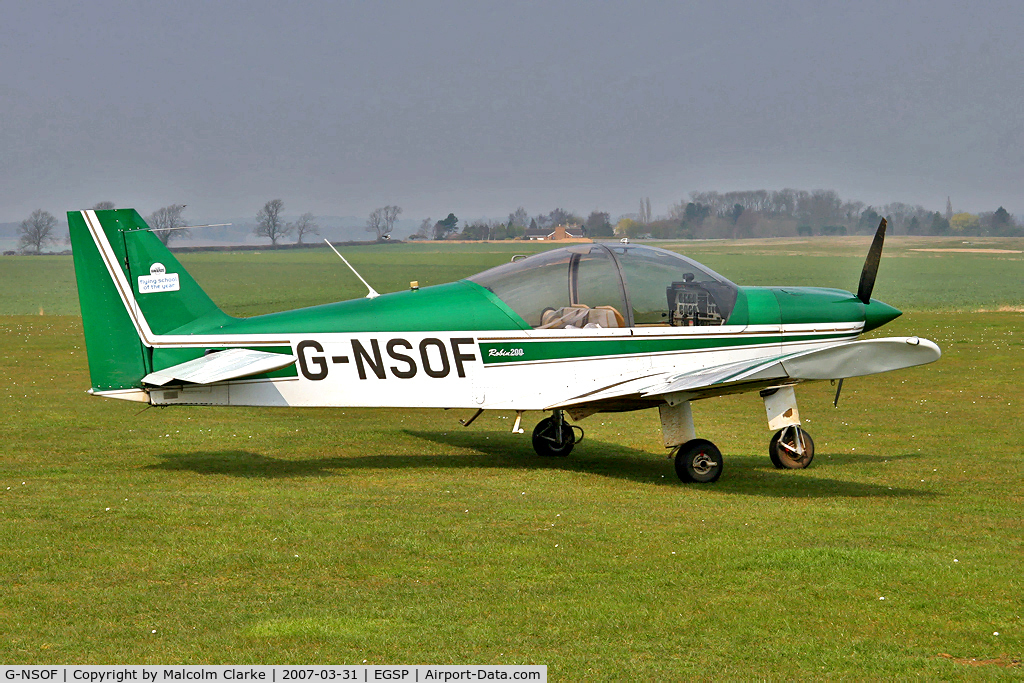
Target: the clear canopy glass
(588, 286)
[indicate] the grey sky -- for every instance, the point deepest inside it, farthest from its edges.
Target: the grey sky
(478, 108)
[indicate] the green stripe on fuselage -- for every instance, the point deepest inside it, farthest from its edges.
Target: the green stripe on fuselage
(534, 350)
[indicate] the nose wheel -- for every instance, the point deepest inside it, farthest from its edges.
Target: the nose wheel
(791, 448)
(698, 460)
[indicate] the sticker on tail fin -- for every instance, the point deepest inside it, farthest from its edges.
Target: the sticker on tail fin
(158, 280)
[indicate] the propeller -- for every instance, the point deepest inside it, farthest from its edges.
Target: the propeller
(867, 276)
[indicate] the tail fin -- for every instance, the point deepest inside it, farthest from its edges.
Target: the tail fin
(131, 289)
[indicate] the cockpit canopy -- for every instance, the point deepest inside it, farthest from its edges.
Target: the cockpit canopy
(611, 285)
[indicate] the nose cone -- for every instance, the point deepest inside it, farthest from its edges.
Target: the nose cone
(877, 314)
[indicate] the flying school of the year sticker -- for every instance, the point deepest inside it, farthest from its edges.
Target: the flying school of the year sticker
(158, 280)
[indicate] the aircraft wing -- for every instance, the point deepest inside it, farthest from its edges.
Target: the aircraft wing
(221, 366)
(848, 359)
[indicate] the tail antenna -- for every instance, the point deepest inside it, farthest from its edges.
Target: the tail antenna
(373, 293)
(867, 276)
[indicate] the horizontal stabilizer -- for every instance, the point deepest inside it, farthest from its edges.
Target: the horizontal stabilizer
(220, 367)
(851, 359)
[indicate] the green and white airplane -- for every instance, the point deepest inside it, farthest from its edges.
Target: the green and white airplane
(578, 330)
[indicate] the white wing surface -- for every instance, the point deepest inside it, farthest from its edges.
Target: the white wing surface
(848, 359)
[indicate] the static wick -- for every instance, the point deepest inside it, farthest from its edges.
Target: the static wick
(373, 293)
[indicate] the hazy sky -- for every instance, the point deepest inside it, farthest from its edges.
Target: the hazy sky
(478, 107)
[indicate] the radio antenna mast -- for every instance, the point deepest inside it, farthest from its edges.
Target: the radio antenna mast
(373, 294)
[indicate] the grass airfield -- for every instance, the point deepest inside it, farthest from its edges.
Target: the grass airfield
(195, 535)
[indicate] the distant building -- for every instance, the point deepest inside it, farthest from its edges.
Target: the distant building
(536, 234)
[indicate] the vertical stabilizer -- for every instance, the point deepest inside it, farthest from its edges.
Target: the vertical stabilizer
(132, 290)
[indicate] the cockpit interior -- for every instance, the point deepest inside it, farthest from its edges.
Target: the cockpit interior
(590, 286)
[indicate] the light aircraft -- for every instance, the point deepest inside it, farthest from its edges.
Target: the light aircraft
(584, 329)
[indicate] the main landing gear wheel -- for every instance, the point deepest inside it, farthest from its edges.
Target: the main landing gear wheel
(699, 461)
(791, 448)
(553, 436)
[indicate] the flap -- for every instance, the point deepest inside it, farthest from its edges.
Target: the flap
(221, 366)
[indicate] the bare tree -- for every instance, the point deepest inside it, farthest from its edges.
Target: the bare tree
(269, 223)
(563, 217)
(304, 226)
(391, 214)
(819, 208)
(103, 206)
(426, 230)
(37, 231)
(165, 223)
(901, 216)
(851, 211)
(375, 223)
(645, 210)
(783, 202)
(745, 224)
(710, 199)
(519, 218)
(382, 221)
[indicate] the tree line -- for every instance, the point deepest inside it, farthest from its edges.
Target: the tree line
(763, 213)
(168, 223)
(740, 214)
(518, 225)
(706, 215)
(39, 230)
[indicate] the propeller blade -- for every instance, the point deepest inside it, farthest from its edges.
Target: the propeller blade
(867, 276)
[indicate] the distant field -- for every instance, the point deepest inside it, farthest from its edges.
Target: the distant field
(251, 282)
(196, 535)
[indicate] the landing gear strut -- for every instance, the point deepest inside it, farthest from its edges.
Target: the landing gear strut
(553, 436)
(791, 448)
(697, 460)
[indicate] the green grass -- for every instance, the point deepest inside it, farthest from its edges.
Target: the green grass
(337, 536)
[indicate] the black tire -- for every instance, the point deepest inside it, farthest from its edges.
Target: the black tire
(698, 461)
(549, 443)
(782, 449)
